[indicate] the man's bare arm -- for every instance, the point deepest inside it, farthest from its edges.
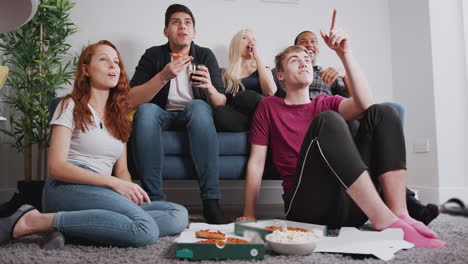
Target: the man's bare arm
(362, 97)
(253, 181)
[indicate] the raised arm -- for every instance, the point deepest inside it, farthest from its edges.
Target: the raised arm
(267, 83)
(330, 75)
(253, 181)
(143, 93)
(210, 77)
(215, 98)
(362, 97)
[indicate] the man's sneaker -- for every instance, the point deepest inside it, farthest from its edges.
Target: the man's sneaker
(213, 213)
(421, 212)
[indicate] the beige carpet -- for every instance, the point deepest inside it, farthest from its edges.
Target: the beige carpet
(453, 230)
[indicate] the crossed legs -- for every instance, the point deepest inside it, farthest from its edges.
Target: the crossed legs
(339, 176)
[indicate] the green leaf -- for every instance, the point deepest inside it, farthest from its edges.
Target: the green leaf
(52, 8)
(35, 73)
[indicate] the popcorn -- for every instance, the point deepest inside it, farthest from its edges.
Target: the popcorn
(290, 236)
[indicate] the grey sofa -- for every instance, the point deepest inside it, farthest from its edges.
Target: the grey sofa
(234, 151)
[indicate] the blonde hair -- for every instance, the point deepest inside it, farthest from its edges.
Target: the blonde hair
(231, 75)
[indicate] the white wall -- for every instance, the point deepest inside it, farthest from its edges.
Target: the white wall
(403, 47)
(451, 96)
(413, 87)
(429, 78)
(134, 26)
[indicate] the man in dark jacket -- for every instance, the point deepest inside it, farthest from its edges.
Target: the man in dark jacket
(168, 97)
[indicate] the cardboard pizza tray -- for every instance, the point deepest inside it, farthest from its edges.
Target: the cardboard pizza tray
(259, 227)
(188, 248)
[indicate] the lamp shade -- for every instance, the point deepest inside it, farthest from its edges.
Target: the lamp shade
(15, 13)
(3, 75)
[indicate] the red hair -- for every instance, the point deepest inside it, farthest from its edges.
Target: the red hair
(117, 108)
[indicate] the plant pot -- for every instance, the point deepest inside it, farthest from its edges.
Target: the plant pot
(31, 193)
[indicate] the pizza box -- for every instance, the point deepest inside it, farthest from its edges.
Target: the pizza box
(382, 244)
(188, 248)
(242, 228)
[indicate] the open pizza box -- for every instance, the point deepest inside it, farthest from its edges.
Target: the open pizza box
(261, 226)
(382, 244)
(188, 246)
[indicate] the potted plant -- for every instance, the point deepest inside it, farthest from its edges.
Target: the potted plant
(40, 63)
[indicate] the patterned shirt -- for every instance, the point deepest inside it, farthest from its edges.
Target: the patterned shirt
(317, 87)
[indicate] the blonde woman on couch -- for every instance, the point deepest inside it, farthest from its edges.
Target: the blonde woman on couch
(89, 193)
(246, 80)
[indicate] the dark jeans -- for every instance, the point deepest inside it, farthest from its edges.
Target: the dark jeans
(147, 145)
(237, 114)
(330, 161)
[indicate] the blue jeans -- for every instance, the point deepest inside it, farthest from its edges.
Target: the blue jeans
(103, 216)
(400, 110)
(147, 145)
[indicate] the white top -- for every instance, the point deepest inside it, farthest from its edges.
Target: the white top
(180, 92)
(96, 148)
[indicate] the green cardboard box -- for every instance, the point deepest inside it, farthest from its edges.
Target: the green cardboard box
(259, 227)
(188, 248)
(195, 251)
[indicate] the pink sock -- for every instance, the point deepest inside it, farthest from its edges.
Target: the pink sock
(413, 236)
(419, 226)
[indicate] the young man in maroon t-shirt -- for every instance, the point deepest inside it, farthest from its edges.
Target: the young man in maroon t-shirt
(329, 177)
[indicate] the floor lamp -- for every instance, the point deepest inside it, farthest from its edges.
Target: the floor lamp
(14, 14)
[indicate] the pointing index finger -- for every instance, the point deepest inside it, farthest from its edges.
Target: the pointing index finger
(332, 27)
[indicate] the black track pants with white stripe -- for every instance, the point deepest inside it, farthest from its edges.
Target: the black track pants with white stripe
(330, 161)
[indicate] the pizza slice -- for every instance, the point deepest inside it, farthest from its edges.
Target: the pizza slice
(273, 228)
(233, 240)
(176, 55)
(218, 242)
(298, 229)
(210, 235)
(179, 55)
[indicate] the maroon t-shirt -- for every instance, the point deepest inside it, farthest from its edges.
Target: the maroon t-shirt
(283, 127)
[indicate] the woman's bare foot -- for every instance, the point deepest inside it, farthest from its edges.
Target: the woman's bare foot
(24, 225)
(33, 222)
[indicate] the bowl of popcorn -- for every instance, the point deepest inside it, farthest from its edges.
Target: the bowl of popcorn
(293, 242)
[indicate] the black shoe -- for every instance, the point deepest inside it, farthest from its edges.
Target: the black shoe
(12, 205)
(421, 212)
(213, 213)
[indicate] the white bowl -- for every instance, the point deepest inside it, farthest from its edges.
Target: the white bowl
(304, 248)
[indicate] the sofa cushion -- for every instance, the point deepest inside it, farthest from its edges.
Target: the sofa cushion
(230, 144)
(181, 168)
(234, 151)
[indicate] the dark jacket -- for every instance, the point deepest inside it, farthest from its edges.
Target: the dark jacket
(157, 57)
